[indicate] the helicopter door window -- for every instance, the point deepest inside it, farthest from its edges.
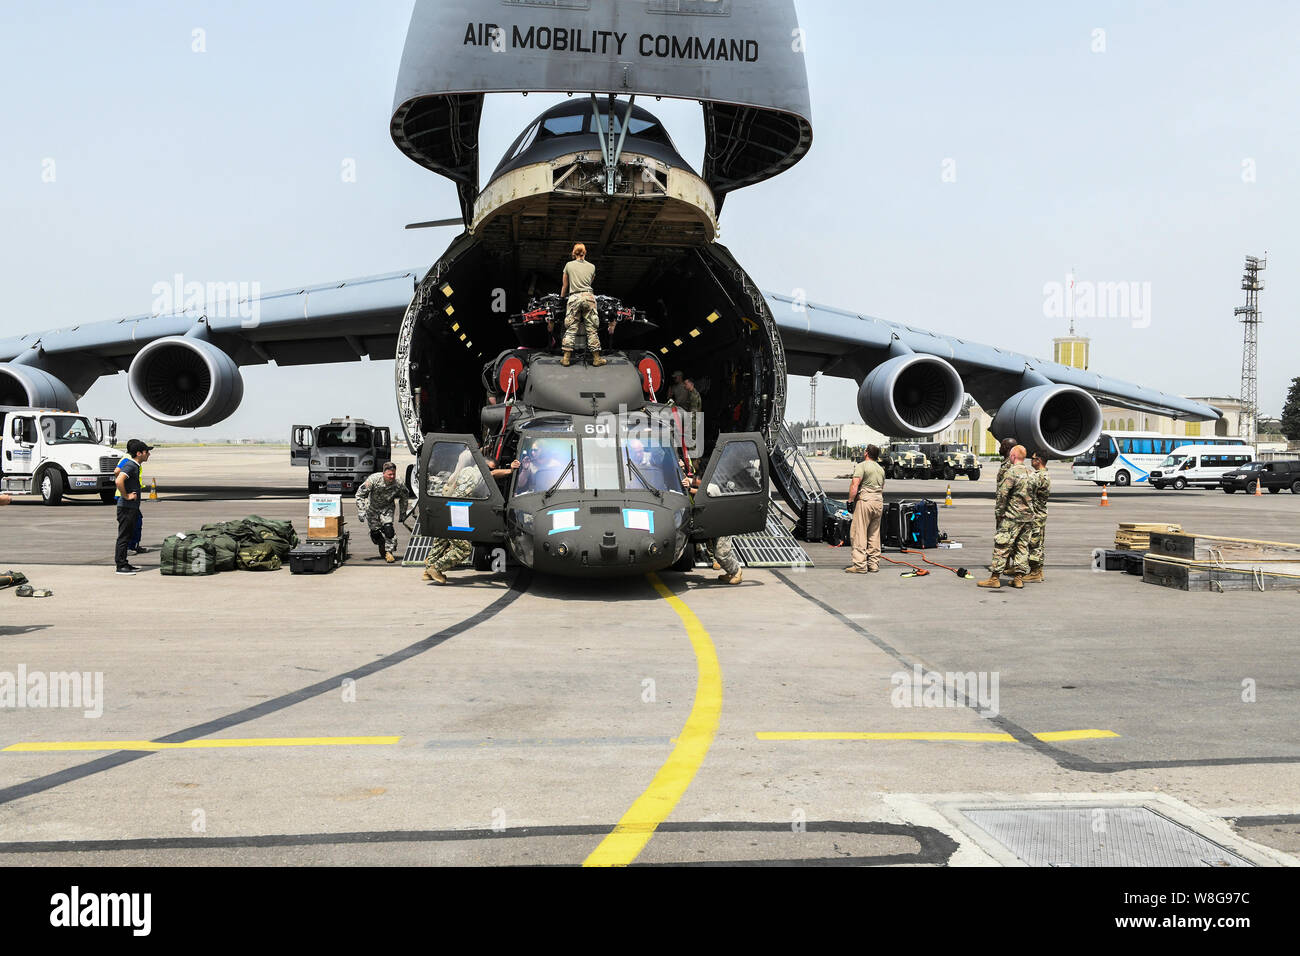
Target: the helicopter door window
(453, 472)
(737, 472)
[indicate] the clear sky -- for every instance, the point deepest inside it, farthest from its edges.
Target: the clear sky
(964, 155)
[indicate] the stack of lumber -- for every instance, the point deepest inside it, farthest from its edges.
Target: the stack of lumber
(1136, 535)
(1202, 562)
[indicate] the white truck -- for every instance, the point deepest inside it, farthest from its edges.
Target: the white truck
(54, 453)
(341, 454)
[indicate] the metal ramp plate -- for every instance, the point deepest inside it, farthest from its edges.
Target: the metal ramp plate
(417, 549)
(774, 547)
(1098, 836)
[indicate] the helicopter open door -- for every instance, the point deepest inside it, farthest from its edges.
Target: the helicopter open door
(732, 498)
(300, 441)
(458, 497)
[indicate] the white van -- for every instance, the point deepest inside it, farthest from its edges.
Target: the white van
(1200, 465)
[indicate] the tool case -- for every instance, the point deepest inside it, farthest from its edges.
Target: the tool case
(318, 555)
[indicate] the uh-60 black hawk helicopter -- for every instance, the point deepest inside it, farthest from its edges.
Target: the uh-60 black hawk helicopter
(602, 460)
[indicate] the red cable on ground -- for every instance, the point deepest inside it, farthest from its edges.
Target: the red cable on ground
(956, 571)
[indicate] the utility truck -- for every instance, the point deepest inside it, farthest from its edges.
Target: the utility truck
(54, 453)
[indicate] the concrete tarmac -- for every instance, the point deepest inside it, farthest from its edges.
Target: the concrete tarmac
(366, 717)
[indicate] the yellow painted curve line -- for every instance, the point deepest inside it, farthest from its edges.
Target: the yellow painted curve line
(57, 745)
(626, 841)
(931, 735)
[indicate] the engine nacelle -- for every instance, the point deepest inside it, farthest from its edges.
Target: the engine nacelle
(911, 395)
(1061, 420)
(185, 381)
(30, 386)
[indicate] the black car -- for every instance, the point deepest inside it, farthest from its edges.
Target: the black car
(1273, 476)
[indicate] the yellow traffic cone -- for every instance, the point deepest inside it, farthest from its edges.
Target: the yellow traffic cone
(947, 498)
(153, 491)
(1105, 500)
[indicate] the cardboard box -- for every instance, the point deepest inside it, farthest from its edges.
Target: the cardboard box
(325, 506)
(322, 527)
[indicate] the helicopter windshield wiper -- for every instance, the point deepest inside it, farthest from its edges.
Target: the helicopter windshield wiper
(550, 491)
(637, 471)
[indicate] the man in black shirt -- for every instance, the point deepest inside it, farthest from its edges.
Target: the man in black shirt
(128, 501)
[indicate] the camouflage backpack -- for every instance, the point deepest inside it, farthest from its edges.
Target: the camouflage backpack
(258, 557)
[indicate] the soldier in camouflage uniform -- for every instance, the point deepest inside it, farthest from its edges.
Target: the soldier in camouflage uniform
(376, 503)
(1015, 506)
(1040, 488)
(1005, 450)
(724, 555)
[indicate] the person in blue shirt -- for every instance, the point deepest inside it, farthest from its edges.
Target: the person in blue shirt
(134, 544)
(128, 501)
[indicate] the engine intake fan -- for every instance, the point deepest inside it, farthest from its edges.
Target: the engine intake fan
(911, 395)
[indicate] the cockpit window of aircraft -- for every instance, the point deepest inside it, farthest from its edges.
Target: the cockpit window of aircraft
(650, 465)
(564, 125)
(737, 472)
(547, 462)
(637, 126)
(453, 473)
(67, 430)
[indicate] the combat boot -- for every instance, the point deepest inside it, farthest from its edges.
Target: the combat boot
(433, 574)
(1018, 581)
(568, 357)
(388, 556)
(1036, 576)
(726, 578)
(992, 582)
(596, 360)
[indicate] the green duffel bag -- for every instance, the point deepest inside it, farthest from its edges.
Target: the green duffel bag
(279, 529)
(227, 551)
(188, 555)
(258, 557)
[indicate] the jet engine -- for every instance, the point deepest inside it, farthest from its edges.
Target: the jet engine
(1061, 420)
(911, 395)
(185, 381)
(27, 385)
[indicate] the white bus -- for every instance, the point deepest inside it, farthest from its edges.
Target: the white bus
(1126, 458)
(1199, 465)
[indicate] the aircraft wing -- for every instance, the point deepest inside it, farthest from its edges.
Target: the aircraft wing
(333, 322)
(843, 344)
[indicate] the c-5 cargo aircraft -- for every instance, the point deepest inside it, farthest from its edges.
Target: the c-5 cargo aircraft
(601, 169)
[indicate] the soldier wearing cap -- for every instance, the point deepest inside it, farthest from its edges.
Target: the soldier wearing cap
(128, 501)
(867, 502)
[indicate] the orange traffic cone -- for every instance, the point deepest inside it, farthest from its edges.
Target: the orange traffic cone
(1105, 500)
(153, 492)
(1257, 491)
(947, 498)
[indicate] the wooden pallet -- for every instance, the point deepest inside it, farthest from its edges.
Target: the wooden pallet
(1222, 550)
(1136, 535)
(1185, 575)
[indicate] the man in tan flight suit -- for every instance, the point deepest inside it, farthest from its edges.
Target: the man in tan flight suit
(867, 501)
